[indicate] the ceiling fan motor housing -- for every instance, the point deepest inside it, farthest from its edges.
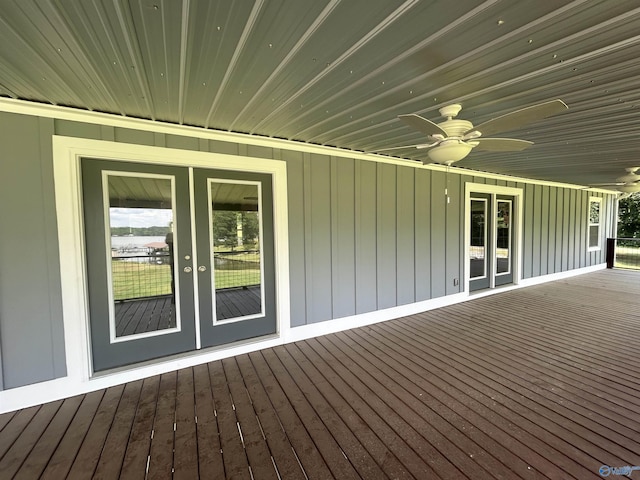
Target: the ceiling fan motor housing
(456, 128)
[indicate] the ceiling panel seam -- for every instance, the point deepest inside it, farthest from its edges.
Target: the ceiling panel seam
(93, 77)
(324, 15)
(135, 55)
(184, 38)
(440, 33)
(432, 93)
(497, 86)
(251, 21)
(341, 59)
(460, 59)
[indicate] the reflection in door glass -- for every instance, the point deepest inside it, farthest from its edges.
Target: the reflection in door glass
(236, 256)
(477, 248)
(141, 219)
(503, 237)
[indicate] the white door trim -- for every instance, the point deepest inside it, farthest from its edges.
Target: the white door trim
(67, 152)
(494, 190)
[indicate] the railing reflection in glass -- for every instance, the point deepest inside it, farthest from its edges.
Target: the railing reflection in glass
(236, 254)
(141, 218)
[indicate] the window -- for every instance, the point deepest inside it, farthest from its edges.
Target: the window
(595, 209)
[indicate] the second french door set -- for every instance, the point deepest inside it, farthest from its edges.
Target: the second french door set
(492, 239)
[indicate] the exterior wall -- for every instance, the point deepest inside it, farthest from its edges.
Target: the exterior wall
(363, 235)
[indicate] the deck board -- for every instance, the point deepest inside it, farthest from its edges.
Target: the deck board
(162, 436)
(69, 446)
(135, 459)
(115, 445)
(540, 382)
(88, 456)
(210, 462)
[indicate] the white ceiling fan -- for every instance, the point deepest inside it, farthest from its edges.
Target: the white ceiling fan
(627, 184)
(453, 139)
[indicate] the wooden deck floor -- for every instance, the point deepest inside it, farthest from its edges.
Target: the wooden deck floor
(542, 382)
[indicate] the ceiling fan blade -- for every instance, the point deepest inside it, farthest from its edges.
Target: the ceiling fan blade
(420, 145)
(519, 118)
(422, 125)
(500, 144)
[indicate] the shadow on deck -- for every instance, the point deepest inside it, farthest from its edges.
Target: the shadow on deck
(541, 382)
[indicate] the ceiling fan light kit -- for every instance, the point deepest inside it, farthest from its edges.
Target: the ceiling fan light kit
(452, 140)
(448, 153)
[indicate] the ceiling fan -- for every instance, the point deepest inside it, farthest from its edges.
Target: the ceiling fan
(627, 184)
(452, 140)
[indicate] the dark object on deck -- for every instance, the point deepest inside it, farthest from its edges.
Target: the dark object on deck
(611, 251)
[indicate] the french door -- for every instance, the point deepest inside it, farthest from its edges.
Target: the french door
(491, 241)
(177, 258)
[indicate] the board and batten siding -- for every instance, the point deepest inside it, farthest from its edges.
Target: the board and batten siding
(555, 229)
(363, 235)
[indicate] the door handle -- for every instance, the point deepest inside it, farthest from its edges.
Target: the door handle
(187, 269)
(202, 268)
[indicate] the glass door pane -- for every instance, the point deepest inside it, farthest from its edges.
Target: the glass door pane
(236, 253)
(478, 245)
(140, 219)
(503, 237)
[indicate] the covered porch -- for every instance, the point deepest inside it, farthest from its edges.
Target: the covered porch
(539, 382)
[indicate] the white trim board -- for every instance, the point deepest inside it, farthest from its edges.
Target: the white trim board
(24, 107)
(30, 395)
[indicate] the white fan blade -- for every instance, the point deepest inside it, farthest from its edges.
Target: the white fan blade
(422, 125)
(420, 145)
(519, 118)
(500, 144)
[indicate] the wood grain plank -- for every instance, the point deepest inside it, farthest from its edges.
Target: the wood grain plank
(88, 456)
(14, 428)
(324, 441)
(311, 460)
(362, 461)
(115, 445)
(279, 444)
(6, 418)
(256, 447)
(70, 444)
(186, 446)
(236, 464)
(134, 464)
(162, 441)
(210, 461)
(48, 442)
(469, 455)
(394, 456)
(22, 446)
